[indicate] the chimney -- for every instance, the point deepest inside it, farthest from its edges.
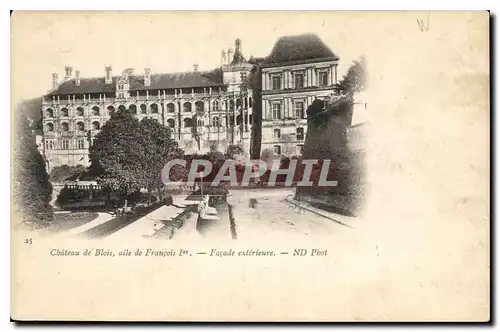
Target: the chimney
(77, 77)
(55, 79)
(108, 78)
(229, 56)
(195, 66)
(147, 77)
(223, 58)
(69, 71)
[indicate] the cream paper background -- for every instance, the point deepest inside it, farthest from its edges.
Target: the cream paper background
(421, 251)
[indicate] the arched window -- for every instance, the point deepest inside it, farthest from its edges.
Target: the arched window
(80, 111)
(96, 111)
(154, 108)
(245, 102)
(249, 101)
(64, 126)
(49, 127)
(188, 123)
(122, 108)
(200, 106)
(50, 113)
(64, 112)
(199, 122)
(111, 109)
(216, 122)
(96, 125)
(133, 109)
(170, 108)
(187, 107)
(80, 126)
(143, 109)
(231, 104)
(171, 123)
(238, 103)
(216, 105)
(238, 120)
(277, 133)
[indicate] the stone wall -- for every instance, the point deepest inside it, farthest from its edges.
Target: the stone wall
(331, 136)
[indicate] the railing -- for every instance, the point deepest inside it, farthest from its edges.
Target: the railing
(152, 98)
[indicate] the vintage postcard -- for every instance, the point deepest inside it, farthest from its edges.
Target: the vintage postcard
(250, 166)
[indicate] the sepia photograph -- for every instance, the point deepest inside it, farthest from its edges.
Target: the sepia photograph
(250, 166)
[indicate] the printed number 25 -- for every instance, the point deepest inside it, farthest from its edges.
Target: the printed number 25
(28, 240)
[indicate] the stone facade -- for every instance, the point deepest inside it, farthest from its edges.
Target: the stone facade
(299, 70)
(202, 108)
(76, 109)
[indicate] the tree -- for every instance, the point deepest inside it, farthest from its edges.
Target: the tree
(118, 152)
(355, 80)
(32, 190)
(130, 154)
(158, 148)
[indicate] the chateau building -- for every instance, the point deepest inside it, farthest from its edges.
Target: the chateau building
(202, 108)
(299, 70)
(260, 103)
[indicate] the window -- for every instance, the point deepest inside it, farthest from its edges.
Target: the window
(300, 148)
(171, 123)
(299, 110)
(276, 82)
(79, 111)
(80, 144)
(300, 134)
(188, 123)
(276, 111)
(49, 127)
(154, 108)
(215, 122)
(96, 125)
(64, 126)
(64, 112)
(277, 133)
(277, 150)
(323, 78)
(243, 76)
(216, 105)
(80, 126)
(65, 144)
(50, 113)
(299, 81)
(49, 144)
(120, 86)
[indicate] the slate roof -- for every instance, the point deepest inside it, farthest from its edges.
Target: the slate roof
(298, 49)
(193, 79)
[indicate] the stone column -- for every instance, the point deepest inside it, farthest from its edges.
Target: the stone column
(331, 81)
(336, 78)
